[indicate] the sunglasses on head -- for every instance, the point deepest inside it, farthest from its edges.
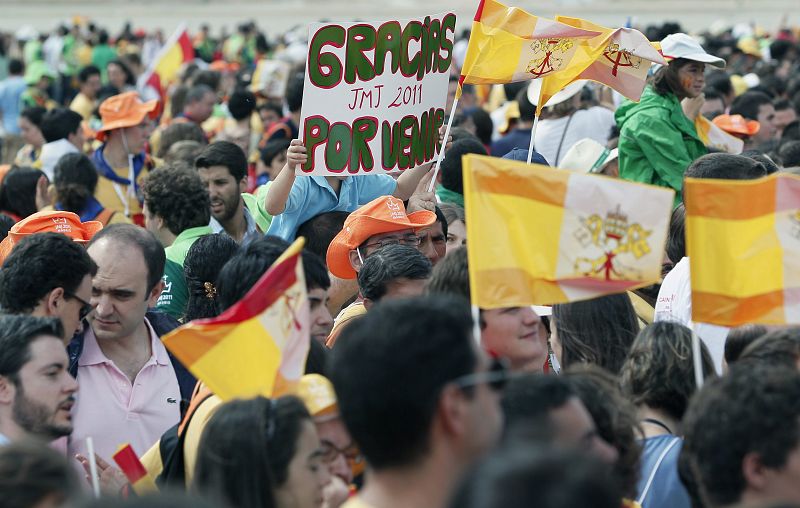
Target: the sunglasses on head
(495, 377)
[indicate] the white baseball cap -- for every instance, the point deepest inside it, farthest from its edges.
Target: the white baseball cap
(681, 45)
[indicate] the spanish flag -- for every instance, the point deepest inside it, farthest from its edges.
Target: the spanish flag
(541, 236)
(743, 239)
(259, 345)
(164, 69)
(617, 58)
(508, 44)
(714, 137)
(129, 463)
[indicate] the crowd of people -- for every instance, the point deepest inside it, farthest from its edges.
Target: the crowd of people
(123, 217)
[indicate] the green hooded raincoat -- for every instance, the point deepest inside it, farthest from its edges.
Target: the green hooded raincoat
(657, 141)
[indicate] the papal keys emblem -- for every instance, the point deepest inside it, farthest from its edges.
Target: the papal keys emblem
(606, 241)
(620, 58)
(552, 58)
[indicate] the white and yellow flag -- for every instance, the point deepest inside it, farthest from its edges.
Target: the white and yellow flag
(541, 236)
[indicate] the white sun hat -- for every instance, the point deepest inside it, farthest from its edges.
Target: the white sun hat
(535, 88)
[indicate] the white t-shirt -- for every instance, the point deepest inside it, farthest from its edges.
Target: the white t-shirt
(675, 304)
(595, 123)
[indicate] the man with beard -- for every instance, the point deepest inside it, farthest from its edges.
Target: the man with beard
(222, 167)
(36, 390)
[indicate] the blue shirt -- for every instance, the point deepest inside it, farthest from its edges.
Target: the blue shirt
(659, 484)
(312, 195)
(10, 92)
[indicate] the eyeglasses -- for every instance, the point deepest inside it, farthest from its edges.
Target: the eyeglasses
(411, 240)
(86, 307)
(350, 453)
(496, 376)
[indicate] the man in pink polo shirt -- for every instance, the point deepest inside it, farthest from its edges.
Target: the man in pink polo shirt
(129, 388)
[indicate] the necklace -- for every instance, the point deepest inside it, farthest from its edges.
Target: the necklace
(657, 423)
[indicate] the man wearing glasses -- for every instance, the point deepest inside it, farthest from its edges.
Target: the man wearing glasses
(48, 275)
(418, 396)
(340, 452)
(381, 222)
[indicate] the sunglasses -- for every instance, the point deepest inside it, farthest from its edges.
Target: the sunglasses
(410, 240)
(495, 377)
(86, 307)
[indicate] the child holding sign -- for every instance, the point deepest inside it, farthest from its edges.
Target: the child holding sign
(292, 201)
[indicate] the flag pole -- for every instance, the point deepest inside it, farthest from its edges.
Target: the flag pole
(697, 358)
(440, 158)
(533, 135)
(539, 108)
(476, 323)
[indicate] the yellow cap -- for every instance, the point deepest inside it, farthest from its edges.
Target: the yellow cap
(318, 395)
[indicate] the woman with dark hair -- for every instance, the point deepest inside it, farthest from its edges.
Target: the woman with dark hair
(598, 331)
(658, 139)
(658, 377)
(75, 179)
(261, 453)
(30, 123)
(614, 417)
(18, 192)
(120, 76)
(456, 226)
(202, 265)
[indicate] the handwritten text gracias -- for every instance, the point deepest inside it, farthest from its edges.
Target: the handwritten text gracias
(408, 52)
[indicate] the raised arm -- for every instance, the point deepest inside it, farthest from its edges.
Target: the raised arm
(278, 192)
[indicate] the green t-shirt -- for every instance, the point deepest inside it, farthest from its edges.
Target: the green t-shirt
(256, 205)
(101, 55)
(175, 295)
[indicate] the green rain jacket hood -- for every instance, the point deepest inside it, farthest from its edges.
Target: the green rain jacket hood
(657, 141)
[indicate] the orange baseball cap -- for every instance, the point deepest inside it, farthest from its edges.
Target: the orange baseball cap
(383, 215)
(124, 110)
(66, 223)
(736, 124)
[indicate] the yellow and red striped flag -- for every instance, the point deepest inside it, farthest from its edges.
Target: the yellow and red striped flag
(713, 136)
(541, 236)
(164, 70)
(508, 44)
(743, 240)
(259, 345)
(129, 463)
(619, 58)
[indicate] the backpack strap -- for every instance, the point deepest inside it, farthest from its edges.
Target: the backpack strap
(171, 444)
